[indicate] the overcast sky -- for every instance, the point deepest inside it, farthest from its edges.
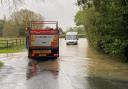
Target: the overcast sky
(61, 10)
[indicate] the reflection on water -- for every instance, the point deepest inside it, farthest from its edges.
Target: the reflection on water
(35, 67)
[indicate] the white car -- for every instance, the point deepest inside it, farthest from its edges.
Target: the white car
(71, 38)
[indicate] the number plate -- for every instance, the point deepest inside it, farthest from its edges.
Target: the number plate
(45, 51)
(43, 55)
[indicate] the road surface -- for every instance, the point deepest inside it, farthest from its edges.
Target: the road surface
(72, 70)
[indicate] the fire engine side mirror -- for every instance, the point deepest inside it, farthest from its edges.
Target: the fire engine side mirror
(27, 28)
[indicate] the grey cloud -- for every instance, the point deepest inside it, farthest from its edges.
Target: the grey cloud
(61, 10)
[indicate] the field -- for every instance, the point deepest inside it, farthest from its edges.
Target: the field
(9, 45)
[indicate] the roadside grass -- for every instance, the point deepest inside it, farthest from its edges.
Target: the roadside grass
(13, 49)
(7, 38)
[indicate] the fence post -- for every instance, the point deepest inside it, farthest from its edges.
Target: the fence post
(20, 41)
(23, 41)
(16, 42)
(13, 43)
(7, 44)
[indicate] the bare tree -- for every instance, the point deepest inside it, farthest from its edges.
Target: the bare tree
(12, 3)
(18, 21)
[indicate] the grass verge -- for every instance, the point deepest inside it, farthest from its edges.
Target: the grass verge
(13, 50)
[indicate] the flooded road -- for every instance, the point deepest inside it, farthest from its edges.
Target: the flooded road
(76, 68)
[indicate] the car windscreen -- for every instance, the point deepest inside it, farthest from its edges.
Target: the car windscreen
(71, 37)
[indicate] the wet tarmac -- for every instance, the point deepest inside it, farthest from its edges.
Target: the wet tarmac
(74, 69)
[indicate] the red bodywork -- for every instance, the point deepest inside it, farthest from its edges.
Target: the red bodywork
(51, 51)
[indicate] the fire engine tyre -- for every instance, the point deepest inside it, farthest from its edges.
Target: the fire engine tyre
(29, 53)
(53, 58)
(29, 56)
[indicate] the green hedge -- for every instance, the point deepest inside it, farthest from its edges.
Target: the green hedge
(106, 25)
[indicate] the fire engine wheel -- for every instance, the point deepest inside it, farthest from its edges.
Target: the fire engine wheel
(29, 53)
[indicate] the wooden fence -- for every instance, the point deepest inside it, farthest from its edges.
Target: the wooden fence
(10, 43)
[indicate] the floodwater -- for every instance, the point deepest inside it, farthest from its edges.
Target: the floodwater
(78, 67)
